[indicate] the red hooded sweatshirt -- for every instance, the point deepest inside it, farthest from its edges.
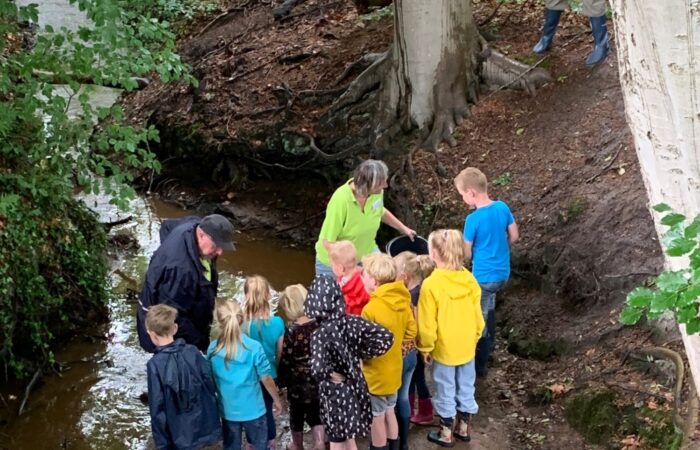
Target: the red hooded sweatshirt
(356, 297)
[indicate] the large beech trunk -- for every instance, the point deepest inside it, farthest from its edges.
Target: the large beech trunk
(658, 47)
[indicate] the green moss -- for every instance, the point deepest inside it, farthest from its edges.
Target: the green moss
(653, 426)
(594, 415)
(535, 347)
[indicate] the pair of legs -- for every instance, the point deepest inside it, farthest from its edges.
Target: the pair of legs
(594, 9)
(454, 397)
(488, 338)
(348, 444)
(403, 405)
(385, 428)
(255, 433)
(309, 412)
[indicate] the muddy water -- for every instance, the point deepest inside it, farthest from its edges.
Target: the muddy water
(95, 404)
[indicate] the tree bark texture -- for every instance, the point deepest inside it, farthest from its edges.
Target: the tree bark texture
(658, 46)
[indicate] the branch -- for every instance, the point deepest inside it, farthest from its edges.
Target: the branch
(28, 389)
(110, 225)
(608, 166)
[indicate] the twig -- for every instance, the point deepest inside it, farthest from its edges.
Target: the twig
(493, 14)
(248, 72)
(608, 166)
(220, 17)
(28, 389)
(630, 274)
(675, 358)
(110, 225)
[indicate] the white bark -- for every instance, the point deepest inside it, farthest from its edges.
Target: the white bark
(658, 51)
(434, 47)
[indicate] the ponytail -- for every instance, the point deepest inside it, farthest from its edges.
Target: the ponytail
(448, 246)
(228, 323)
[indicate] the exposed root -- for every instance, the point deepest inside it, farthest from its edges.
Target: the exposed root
(30, 386)
(444, 125)
(368, 81)
(361, 64)
(502, 72)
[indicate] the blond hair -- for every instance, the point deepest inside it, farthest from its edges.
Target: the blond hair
(471, 178)
(448, 245)
(416, 267)
(227, 321)
(160, 319)
(380, 267)
(291, 303)
(343, 253)
(257, 298)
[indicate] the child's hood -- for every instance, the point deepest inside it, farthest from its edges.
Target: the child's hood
(457, 285)
(395, 295)
(325, 300)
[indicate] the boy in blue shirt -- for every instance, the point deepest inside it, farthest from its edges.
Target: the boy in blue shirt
(488, 233)
(181, 393)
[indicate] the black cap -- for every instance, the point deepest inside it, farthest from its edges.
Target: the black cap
(219, 230)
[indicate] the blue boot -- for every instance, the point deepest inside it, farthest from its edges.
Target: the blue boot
(600, 38)
(551, 20)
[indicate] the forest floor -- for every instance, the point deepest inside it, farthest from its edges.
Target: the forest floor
(563, 159)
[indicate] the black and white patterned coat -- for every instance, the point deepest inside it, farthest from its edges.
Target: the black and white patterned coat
(338, 345)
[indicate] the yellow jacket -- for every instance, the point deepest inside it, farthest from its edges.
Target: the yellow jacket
(449, 316)
(389, 306)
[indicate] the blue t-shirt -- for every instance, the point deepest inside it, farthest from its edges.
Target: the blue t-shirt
(267, 332)
(487, 230)
(238, 383)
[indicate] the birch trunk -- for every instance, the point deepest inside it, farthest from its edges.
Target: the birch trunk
(658, 46)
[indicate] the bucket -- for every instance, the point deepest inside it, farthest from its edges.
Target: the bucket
(419, 245)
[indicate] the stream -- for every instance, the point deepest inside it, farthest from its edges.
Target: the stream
(95, 404)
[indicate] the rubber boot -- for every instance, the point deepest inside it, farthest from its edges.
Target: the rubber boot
(319, 436)
(424, 416)
(392, 444)
(404, 426)
(443, 437)
(297, 441)
(411, 403)
(463, 429)
(551, 20)
(599, 28)
(372, 447)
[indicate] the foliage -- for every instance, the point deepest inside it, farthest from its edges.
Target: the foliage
(50, 246)
(503, 179)
(377, 14)
(594, 415)
(672, 290)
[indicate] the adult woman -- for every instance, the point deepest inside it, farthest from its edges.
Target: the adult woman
(355, 212)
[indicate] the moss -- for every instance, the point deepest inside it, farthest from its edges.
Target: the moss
(653, 426)
(535, 347)
(594, 415)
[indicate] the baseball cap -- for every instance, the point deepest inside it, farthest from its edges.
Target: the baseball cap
(219, 229)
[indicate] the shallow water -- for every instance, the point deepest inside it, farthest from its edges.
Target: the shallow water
(95, 403)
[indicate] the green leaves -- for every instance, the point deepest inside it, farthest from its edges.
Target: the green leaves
(677, 291)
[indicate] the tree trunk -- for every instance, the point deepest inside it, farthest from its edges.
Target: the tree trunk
(427, 78)
(658, 46)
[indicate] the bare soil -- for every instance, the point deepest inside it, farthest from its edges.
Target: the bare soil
(563, 159)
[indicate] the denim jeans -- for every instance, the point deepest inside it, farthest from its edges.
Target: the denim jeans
(269, 416)
(454, 389)
(488, 338)
(418, 384)
(403, 408)
(255, 433)
(322, 269)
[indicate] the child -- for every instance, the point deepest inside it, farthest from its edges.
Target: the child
(488, 233)
(412, 270)
(343, 257)
(295, 372)
(240, 367)
(389, 306)
(262, 327)
(449, 324)
(337, 347)
(181, 394)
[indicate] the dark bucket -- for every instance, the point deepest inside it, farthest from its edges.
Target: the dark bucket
(399, 244)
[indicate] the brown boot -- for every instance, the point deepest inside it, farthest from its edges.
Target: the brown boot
(443, 437)
(463, 430)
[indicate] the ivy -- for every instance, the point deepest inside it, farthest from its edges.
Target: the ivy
(52, 268)
(673, 290)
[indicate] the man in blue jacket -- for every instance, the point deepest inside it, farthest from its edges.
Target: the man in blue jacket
(182, 274)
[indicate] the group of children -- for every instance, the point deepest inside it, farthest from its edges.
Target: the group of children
(350, 352)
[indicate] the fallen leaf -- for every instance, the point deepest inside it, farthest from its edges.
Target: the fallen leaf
(652, 404)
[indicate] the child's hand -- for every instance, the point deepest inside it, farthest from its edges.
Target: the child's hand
(427, 359)
(277, 407)
(337, 378)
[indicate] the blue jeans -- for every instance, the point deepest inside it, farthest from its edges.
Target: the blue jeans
(488, 338)
(269, 416)
(322, 269)
(403, 408)
(454, 389)
(418, 384)
(255, 433)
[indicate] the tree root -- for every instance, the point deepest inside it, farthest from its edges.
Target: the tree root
(362, 63)
(28, 389)
(369, 80)
(502, 72)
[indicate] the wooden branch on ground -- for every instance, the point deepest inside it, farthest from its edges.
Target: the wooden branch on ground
(28, 389)
(608, 166)
(110, 225)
